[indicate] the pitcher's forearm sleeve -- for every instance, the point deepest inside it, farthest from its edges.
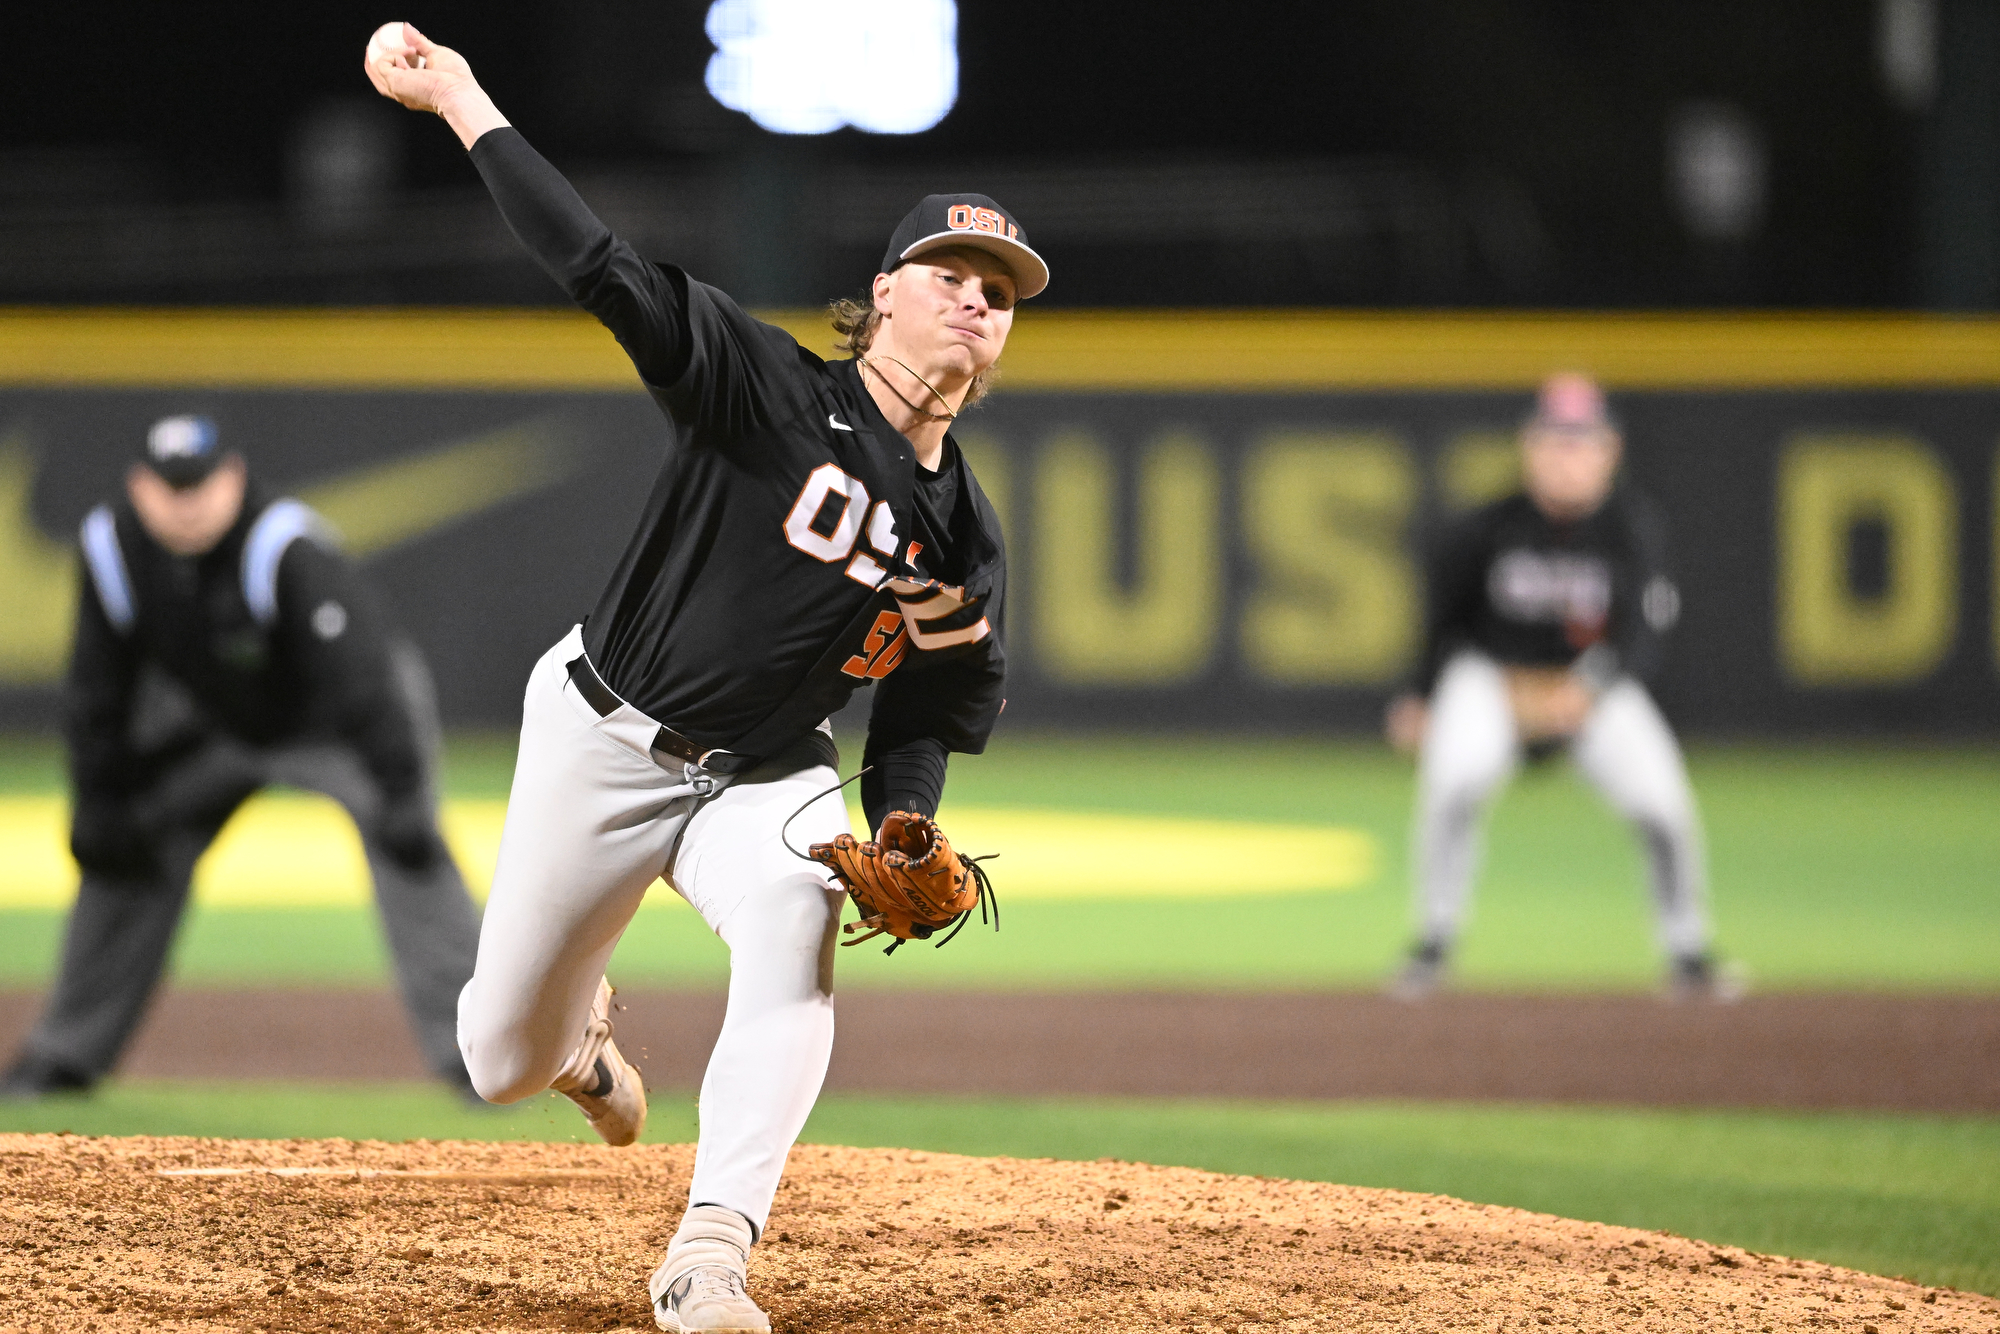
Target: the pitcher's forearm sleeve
(642, 304)
(905, 777)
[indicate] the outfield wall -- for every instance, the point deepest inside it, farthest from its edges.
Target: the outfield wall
(1213, 519)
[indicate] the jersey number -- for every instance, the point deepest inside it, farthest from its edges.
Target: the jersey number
(826, 523)
(886, 643)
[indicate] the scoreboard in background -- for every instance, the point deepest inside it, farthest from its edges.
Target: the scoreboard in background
(1213, 520)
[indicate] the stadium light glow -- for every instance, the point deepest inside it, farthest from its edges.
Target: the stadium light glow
(813, 66)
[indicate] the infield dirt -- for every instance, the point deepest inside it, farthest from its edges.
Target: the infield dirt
(330, 1235)
(1878, 1052)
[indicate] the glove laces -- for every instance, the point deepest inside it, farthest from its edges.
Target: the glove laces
(982, 882)
(984, 885)
(785, 832)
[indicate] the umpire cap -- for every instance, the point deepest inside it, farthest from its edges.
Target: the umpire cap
(182, 450)
(976, 221)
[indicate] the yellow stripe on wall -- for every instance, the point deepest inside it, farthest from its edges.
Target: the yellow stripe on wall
(293, 850)
(1154, 351)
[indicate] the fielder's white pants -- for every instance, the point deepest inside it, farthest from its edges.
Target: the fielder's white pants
(1624, 749)
(592, 821)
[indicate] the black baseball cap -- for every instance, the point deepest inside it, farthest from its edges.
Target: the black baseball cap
(183, 450)
(967, 220)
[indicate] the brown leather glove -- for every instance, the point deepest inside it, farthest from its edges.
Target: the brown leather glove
(911, 885)
(1549, 703)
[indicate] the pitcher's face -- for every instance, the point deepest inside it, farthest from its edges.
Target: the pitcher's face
(952, 308)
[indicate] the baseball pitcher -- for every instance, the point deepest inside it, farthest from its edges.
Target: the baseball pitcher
(813, 529)
(1546, 616)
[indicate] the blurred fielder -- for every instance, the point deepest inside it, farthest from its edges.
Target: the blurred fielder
(813, 529)
(1546, 613)
(223, 644)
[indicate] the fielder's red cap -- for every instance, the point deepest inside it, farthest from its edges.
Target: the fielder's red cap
(1571, 402)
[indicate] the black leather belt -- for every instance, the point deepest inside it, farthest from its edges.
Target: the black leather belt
(666, 742)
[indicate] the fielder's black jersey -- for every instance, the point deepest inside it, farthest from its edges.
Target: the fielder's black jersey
(789, 552)
(270, 632)
(1527, 590)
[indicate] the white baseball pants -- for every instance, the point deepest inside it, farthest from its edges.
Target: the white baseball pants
(1624, 749)
(592, 821)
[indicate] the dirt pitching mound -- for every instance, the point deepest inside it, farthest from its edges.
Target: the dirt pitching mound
(186, 1234)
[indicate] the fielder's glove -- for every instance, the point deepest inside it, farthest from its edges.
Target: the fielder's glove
(911, 885)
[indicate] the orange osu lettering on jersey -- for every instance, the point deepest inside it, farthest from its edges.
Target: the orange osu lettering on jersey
(886, 643)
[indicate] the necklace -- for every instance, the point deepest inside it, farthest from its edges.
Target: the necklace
(948, 414)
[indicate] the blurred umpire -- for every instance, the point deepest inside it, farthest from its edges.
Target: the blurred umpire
(222, 645)
(1546, 613)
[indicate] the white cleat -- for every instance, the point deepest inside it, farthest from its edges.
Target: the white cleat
(601, 1081)
(708, 1299)
(698, 1288)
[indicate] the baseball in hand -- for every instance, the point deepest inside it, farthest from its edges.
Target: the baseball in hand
(388, 42)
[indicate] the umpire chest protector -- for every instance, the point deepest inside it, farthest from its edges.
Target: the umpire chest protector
(212, 620)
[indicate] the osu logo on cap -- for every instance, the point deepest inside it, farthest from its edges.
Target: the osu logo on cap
(966, 218)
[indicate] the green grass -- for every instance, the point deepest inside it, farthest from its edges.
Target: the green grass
(1917, 1196)
(1850, 867)
(30, 764)
(1872, 867)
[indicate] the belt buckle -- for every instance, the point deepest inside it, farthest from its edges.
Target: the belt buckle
(692, 773)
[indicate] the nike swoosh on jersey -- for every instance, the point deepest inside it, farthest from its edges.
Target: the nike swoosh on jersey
(833, 420)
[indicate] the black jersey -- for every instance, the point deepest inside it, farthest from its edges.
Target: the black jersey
(270, 632)
(786, 555)
(1527, 590)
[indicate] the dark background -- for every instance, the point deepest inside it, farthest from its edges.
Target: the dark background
(1416, 154)
(1378, 152)
(486, 595)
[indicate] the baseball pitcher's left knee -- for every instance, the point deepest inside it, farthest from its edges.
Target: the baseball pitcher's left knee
(507, 1058)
